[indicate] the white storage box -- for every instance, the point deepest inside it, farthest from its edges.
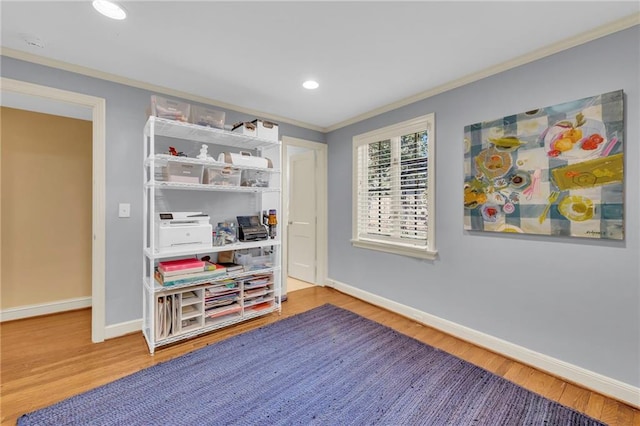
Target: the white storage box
(169, 108)
(244, 158)
(246, 128)
(183, 172)
(266, 130)
(222, 176)
(210, 117)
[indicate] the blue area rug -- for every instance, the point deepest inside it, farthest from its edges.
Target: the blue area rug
(327, 366)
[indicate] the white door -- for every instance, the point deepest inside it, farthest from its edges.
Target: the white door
(302, 217)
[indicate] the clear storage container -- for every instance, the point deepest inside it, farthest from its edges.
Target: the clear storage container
(170, 108)
(222, 176)
(183, 172)
(204, 116)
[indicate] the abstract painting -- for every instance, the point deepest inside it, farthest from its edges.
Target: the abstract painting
(557, 170)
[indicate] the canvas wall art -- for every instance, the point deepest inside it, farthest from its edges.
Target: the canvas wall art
(553, 171)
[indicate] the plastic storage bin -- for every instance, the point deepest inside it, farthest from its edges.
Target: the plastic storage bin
(222, 176)
(170, 108)
(210, 117)
(183, 172)
(256, 178)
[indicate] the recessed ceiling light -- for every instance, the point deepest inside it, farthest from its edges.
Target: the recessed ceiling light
(109, 9)
(310, 84)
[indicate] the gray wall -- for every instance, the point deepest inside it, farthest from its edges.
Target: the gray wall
(573, 299)
(126, 118)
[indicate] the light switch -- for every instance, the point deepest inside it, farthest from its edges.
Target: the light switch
(124, 210)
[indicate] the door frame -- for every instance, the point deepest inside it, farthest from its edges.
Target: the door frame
(321, 203)
(98, 249)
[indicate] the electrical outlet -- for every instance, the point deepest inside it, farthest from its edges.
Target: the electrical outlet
(124, 210)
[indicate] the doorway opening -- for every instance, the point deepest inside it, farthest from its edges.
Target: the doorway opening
(47, 99)
(304, 213)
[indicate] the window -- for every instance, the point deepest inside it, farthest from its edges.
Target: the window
(394, 183)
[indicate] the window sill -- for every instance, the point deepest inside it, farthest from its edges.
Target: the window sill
(396, 249)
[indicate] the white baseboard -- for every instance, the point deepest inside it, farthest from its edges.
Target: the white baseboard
(583, 377)
(122, 328)
(44, 308)
(28, 311)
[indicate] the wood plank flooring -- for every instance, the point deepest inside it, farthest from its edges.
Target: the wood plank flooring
(294, 284)
(50, 358)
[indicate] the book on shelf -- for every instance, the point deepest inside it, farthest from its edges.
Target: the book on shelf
(187, 278)
(168, 266)
(210, 266)
(180, 271)
(232, 267)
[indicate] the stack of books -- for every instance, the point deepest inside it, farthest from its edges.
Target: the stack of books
(185, 271)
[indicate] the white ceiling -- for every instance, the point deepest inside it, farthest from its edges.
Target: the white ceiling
(255, 55)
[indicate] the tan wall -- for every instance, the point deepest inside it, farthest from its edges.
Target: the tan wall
(45, 212)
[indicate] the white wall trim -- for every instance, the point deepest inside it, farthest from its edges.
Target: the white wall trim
(98, 249)
(123, 328)
(321, 203)
(602, 31)
(586, 378)
(27, 311)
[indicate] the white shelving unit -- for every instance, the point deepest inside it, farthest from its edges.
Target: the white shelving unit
(177, 312)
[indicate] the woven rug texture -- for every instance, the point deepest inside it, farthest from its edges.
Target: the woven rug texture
(327, 366)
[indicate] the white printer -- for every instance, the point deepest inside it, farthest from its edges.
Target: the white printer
(182, 230)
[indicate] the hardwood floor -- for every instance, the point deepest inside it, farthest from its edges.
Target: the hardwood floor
(294, 284)
(47, 359)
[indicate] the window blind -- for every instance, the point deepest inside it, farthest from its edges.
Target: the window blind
(392, 190)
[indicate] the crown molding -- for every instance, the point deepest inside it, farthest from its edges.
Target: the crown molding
(90, 72)
(598, 32)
